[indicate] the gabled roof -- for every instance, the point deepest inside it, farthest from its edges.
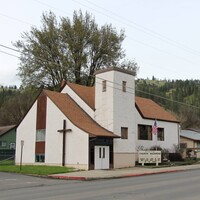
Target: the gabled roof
(86, 93)
(5, 129)
(190, 134)
(77, 115)
(146, 107)
(150, 110)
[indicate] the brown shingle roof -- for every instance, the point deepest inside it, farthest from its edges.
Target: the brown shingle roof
(147, 108)
(77, 115)
(86, 93)
(151, 110)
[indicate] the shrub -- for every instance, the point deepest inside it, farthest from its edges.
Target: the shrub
(175, 157)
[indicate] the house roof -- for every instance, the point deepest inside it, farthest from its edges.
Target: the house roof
(147, 108)
(85, 92)
(5, 129)
(77, 115)
(151, 110)
(190, 134)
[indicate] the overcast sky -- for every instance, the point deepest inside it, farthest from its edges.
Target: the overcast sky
(162, 36)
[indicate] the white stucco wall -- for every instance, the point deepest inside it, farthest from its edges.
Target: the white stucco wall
(104, 108)
(124, 112)
(26, 131)
(171, 134)
(76, 140)
(78, 100)
(115, 108)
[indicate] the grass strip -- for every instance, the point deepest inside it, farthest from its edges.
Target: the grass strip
(35, 169)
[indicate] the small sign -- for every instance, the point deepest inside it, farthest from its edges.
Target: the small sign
(149, 157)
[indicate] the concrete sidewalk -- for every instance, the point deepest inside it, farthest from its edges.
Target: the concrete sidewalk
(121, 173)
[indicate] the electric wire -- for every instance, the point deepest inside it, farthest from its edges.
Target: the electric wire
(16, 19)
(145, 44)
(114, 83)
(142, 29)
(48, 5)
(139, 27)
(9, 54)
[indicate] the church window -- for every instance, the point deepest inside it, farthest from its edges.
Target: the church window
(144, 132)
(124, 133)
(104, 86)
(124, 86)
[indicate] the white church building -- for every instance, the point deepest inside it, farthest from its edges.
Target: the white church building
(98, 127)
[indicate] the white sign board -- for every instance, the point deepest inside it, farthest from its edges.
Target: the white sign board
(149, 157)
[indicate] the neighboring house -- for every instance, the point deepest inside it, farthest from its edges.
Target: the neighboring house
(91, 127)
(7, 137)
(190, 140)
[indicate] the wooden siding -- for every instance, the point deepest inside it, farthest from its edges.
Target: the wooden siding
(40, 147)
(41, 112)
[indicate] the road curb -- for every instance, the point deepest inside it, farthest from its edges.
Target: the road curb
(78, 178)
(152, 173)
(82, 178)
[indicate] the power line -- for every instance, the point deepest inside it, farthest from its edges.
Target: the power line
(141, 28)
(93, 76)
(45, 4)
(173, 101)
(145, 44)
(10, 48)
(4, 46)
(160, 50)
(16, 19)
(163, 51)
(9, 54)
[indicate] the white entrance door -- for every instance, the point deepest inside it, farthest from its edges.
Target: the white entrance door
(101, 157)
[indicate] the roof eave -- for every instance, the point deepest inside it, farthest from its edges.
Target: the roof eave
(190, 138)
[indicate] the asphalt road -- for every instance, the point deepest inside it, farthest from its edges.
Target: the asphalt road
(169, 186)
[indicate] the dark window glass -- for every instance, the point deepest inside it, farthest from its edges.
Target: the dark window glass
(144, 132)
(124, 133)
(104, 86)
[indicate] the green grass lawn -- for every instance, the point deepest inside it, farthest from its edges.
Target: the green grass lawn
(35, 169)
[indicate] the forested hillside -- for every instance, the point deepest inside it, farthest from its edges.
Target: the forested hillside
(14, 103)
(181, 97)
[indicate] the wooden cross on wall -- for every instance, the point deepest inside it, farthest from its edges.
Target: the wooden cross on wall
(64, 131)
